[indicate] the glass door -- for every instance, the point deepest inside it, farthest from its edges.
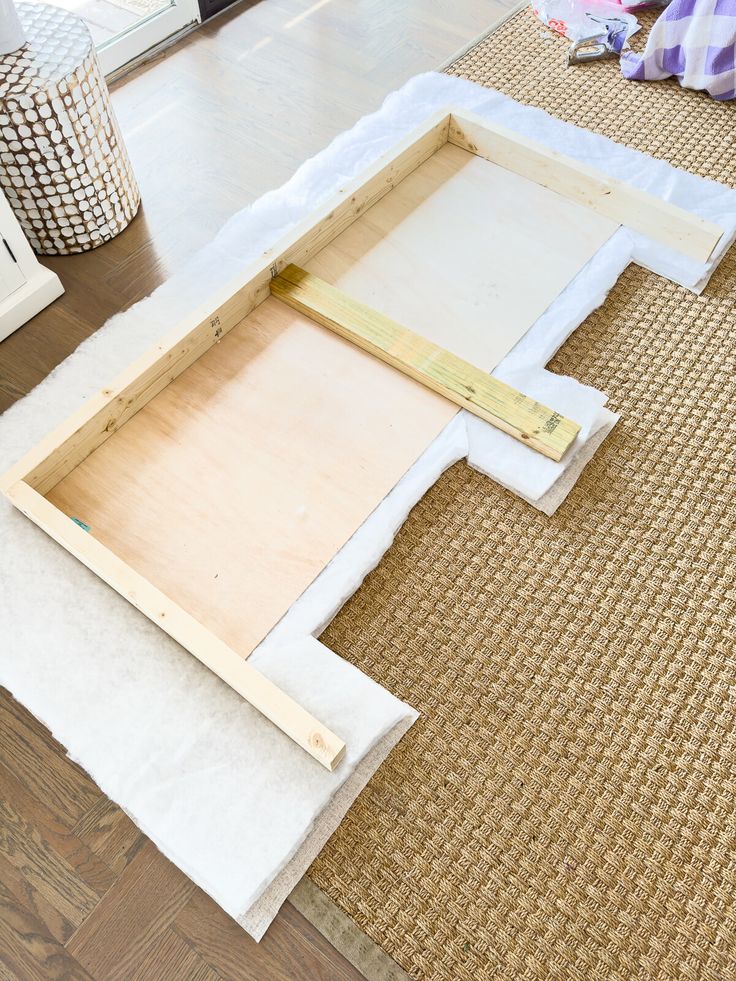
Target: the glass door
(125, 29)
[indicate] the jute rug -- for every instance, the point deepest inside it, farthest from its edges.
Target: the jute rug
(565, 806)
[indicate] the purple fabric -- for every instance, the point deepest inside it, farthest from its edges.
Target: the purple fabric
(694, 40)
(616, 37)
(673, 60)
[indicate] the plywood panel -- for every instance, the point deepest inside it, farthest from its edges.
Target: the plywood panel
(464, 252)
(660, 220)
(236, 485)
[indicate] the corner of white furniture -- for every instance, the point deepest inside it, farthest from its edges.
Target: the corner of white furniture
(26, 287)
(25, 302)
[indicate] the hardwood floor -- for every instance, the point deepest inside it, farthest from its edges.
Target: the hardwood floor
(84, 894)
(226, 115)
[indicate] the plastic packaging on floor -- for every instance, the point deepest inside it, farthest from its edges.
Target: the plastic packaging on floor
(579, 19)
(226, 796)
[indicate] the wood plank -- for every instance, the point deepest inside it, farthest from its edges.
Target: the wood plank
(110, 834)
(660, 220)
(28, 950)
(106, 412)
(29, 898)
(40, 763)
(285, 952)
(172, 958)
(274, 703)
(47, 872)
(127, 922)
(31, 820)
(463, 384)
(465, 253)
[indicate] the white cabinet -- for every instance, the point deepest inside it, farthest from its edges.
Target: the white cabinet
(25, 285)
(11, 275)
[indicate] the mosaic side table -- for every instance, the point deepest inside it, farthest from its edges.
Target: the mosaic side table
(63, 163)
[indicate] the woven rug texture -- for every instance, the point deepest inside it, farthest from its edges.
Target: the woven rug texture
(565, 806)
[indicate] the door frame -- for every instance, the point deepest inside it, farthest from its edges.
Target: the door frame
(146, 34)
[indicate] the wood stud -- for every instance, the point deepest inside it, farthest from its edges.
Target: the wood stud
(471, 388)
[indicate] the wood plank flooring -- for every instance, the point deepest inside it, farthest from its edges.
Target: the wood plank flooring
(227, 114)
(84, 893)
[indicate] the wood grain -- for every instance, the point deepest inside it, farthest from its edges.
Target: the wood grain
(55, 865)
(24, 894)
(438, 369)
(464, 253)
(41, 817)
(27, 948)
(44, 869)
(172, 957)
(205, 120)
(129, 918)
(258, 437)
(30, 755)
(110, 834)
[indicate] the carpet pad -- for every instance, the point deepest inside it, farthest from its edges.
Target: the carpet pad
(564, 808)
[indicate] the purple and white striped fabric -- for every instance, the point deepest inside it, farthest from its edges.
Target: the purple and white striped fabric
(695, 40)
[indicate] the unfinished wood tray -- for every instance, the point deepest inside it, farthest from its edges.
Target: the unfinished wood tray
(215, 479)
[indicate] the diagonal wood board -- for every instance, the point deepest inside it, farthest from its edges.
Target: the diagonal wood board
(220, 474)
(440, 370)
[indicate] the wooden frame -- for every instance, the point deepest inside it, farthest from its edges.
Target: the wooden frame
(47, 464)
